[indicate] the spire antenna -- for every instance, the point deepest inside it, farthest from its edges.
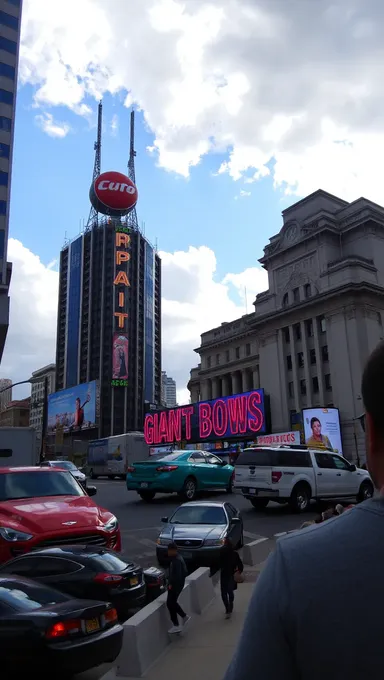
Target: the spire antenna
(93, 214)
(131, 219)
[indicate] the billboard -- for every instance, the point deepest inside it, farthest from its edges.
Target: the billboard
(322, 428)
(73, 409)
(279, 439)
(223, 418)
(120, 357)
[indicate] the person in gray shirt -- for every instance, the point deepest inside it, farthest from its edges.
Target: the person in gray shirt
(317, 611)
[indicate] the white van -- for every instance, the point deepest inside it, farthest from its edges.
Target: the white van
(295, 474)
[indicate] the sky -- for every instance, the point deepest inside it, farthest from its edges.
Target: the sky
(242, 108)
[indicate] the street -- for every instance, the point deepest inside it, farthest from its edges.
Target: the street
(140, 522)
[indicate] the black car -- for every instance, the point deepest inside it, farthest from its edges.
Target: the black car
(45, 631)
(89, 572)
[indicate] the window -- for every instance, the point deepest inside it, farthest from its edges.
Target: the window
(51, 566)
(312, 356)
(199, 514)
(217, 359)
(286, 334)
(339, 463)
(309, 328)
(227, 356)
(209, 361)
(325, 461)
(294, 459)
(237, 352)
(211, 459)
(197, 458)
(14, 485)
(324, 353)
(285, 299)
(5, 124)
(5, 453)
(303, 387)
(327, 380)
(297, 331)
(257, 457)
(307, 290)
(289, 362)
(296, 294)
(315, 384)
(300, 359)
(3, 207)
(24, 597)
(8, 20)
(247, 349)
(6, 97)
(290, 389)
(3, 179)
(8, 45)
(4, 149)
(322, 325)
(7, 71)
(231, 512)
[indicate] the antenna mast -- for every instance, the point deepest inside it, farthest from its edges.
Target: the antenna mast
(93, 214)
(131, 219)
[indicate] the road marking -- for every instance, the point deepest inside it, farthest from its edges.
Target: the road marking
(249, 534)
(135, 531)
(282, 533)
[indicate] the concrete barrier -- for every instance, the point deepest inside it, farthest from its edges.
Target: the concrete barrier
(256, 552)
(146, 633)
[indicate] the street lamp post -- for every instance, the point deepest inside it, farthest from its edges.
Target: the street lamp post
(45, 407)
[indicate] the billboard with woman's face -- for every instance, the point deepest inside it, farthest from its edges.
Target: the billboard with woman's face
(322, 428)
(120, 357)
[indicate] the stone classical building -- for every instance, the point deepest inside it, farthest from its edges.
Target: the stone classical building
(16, 414)
(307, 340)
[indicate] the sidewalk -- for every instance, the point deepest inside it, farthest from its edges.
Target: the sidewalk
(208, 645)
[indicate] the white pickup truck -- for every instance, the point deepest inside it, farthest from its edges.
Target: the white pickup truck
(296, 474)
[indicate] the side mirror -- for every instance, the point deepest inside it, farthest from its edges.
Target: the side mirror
(235, 520)
(164, 520)
(352, 467)
(91, 490)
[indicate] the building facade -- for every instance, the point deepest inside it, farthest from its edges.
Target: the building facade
(312, 330)
(16, 414)
(10, 21)
(109, 322)
(37, 398)
(168, 391)
(5, 392)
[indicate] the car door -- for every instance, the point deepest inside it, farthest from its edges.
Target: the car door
(325, 475)
(217, 475)
(199, 467)
(235, 530)
(52, 571)
(347, 482)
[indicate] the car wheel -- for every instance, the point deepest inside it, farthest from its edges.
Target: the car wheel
(366, 491)
(111, 476)
(189, 489)
(230, 485)
(300, 498)
(259, 503)
(147, 495)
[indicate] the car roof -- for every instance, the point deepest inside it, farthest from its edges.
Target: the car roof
(71, 551)
(41, 470)
(298, 447)
(218, 504)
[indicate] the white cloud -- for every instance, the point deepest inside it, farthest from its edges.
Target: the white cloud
(53, 128)
(242, 194)
(115, 125)
(193, 302)
(276, 86)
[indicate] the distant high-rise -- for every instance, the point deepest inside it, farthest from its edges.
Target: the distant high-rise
(5, 392)
(37, 398)
(10, 20)
(168, 390)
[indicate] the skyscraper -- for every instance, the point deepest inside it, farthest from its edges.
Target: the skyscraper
(10, 20)
(97, 339)
(168, 391)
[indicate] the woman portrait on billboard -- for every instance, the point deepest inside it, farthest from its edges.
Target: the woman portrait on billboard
(120, 358)
(317, 439)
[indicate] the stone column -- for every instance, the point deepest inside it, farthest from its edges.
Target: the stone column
(215, 388)
(236, 386)
(246, 380)
(307, 374)
(319, 363)
(195, 393)
(256, 378)
(225, 386)
(294, 370)
(206, 389)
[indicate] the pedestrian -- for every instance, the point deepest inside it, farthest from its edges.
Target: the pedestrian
(176, 580)
(325, 576)
(230, 563)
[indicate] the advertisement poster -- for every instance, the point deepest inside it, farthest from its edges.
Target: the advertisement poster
(322, 428)
(120, 357)
(73, 409)
(280, 438)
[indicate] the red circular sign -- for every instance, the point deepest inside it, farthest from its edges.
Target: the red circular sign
(113, 193)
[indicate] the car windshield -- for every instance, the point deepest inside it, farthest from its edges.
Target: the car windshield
(169, 457)
(199, 514)
(64, 465)
(24, 597)
(109, 562)
(14, 485)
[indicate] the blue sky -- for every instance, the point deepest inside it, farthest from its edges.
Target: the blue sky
(51, 179)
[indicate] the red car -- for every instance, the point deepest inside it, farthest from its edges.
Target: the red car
(41, 507)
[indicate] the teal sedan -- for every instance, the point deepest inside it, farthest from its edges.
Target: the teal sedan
(183, 472)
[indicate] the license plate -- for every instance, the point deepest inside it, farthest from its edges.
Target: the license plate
(253, 492)
(186, 555)
(134, 581)
(144, 485)
(91, 625)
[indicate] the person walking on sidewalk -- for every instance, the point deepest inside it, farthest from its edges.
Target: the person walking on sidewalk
(176, 580)
(230, 562)
(327, 576)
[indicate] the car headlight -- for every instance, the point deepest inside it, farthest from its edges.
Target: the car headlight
(111, 525)
(163, 541)
(214, 542)
(12, 535)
